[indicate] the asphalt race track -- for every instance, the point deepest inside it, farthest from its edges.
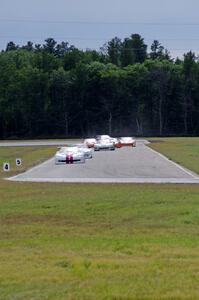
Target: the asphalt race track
(138, 165)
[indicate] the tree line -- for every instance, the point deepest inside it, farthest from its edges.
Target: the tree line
(56, 89)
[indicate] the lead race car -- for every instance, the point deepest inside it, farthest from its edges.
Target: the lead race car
(69, 155)
(127, 141)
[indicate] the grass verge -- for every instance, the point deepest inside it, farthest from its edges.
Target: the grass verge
(30, 156)
(184, 151)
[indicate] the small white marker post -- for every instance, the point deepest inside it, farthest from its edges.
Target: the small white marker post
(18, 162)
(6, 167)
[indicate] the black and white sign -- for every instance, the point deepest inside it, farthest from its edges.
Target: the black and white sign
(18, 162)
(6, 167)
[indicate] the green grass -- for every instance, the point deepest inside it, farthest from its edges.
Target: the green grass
(97, 241)
(184, 151)
(70, 241)
(30, 156)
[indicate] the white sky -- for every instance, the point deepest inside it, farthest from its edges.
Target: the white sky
(91, 23)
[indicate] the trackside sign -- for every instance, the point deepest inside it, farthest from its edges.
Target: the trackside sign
(6, 167)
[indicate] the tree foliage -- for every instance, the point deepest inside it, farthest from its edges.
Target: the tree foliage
(59, 90)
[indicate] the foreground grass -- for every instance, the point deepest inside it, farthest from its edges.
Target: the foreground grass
(99, 241)
(184, 151)
(81, 241)
(30, 156)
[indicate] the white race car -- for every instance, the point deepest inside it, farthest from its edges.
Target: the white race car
(88, 152)
(103, 137)
(69, 155)
(104, 145)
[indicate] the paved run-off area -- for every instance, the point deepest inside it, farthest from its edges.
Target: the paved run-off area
(139, 165)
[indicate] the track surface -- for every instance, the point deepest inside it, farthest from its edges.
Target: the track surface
(140, 164)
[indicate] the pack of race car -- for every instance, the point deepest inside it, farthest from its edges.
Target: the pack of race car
(80, 152)
(102, 140)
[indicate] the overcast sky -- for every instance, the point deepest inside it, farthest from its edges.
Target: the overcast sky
(91, 23)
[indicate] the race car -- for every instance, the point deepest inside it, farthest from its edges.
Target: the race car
(127, 141)
(102, 137)
(115, 141)
(90, 142)
(88, 153)
(69, 155)
(104, 145)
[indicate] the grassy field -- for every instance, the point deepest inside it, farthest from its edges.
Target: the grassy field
(184, 151)
(64, 241)
(98, 241)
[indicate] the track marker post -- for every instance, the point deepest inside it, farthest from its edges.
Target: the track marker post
(18, 162)
(6, 167)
